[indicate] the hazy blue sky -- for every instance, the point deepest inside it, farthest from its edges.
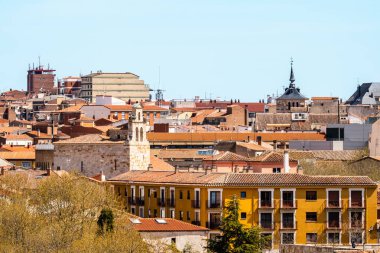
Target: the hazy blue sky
(230, 49)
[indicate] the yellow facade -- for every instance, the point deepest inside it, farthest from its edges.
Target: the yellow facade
(203, 213)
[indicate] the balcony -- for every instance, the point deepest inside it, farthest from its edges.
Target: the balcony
(213, 224)
(161, 202)
(289, 204)
(196, 222)
(267, 225)
(216, 204)
(140, 201)
(266, 204)
(289, 225)
(334, 204)
(356, 204)
(171, 202)
(196, 203)
(131, 200)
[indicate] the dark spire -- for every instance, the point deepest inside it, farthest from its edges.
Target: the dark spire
(291, 79)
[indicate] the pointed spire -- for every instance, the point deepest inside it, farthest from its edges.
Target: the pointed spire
(291, 79)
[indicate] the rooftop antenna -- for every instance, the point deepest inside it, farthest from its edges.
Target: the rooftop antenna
(39, 62)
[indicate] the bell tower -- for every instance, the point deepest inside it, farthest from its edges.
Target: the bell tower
(139, 148)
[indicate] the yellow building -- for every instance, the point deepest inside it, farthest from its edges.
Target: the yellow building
(292, 208)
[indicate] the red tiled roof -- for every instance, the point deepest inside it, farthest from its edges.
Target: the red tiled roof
(227, 156)
(233, 136)
(239, 179)
(150, 225)
(120, 108)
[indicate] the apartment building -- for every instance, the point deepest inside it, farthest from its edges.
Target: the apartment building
(291, 208)
(125, 86)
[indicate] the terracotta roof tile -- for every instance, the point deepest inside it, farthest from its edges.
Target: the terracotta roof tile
(18, 137)
(227, 156)
(239, 179)
(90, 139)
(271, 156)
(150, 225)
(252, 146)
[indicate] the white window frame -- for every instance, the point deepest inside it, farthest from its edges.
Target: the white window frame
(162, 212)
(133, 193)
(209, 190)
(288, 190)
(289, 232)
(267, 190)
(172, 211)
(350, 237)
(294, 217)
(306, 242)
(271, 233)
(141, 190)
(340, 196)
(356, 211)
(195, 194)
(355, 189)
(340, 218)
(333, 232)
(199, 215)
(271, 212)
(141, 211)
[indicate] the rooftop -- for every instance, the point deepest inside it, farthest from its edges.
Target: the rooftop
(163, 224)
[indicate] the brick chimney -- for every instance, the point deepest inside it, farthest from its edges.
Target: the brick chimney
(286, 161)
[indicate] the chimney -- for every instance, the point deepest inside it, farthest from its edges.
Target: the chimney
(176, 168)
(150, 166)
(275, 144)
(207, 170)
(102, 176)
(286, 161)
(48, 172)
(258, 140)
(38, 132)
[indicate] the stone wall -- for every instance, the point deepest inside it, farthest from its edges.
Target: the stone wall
(327, 249)
(89, 159)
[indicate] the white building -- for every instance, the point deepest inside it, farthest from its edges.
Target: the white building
(171, 231)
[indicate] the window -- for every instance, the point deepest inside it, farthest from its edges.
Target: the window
(356, 237)
(180, 195)
(215, 199)
(133, 210)
(155, 194)
(287, 238)
(356, 198)
(137, 134)
(123, 115)
(266, 220)
(149, 190)
(243, 215)
(333, 238)
(181, 215)
(268, 242)
(311, 217)
(311, 237)
(333, 219)
(333, 198)
(311, 195)
(81, 167)
(188, 194)
(172, 214)
(26, 165)
(265, 199)
(173, 240)
(141, 212)
(243, 195)
(162, 211)
(188, 215)
(155, 213)
(115, 114)
(356, 219)
(287, 199)
(287, 220)
(276, 170)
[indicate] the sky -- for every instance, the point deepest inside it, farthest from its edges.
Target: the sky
(237, 49)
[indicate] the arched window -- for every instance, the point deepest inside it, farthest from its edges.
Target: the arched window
(141, 134)
(297, 104)
(137, 134)
(294, 104)
(139, 116)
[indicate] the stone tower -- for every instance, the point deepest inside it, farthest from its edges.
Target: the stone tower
(139, 148)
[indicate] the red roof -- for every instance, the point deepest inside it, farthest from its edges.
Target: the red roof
(164, 224)
(120, 108)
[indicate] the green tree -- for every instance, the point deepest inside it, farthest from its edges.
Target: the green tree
(105, 221)
(234, 237)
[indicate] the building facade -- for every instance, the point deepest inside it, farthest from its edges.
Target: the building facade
(125, 86)
(40, 79)
(291, 208)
